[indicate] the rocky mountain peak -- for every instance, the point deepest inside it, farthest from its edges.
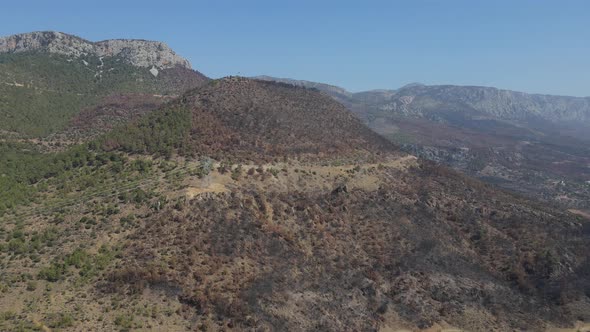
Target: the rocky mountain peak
(140, 53)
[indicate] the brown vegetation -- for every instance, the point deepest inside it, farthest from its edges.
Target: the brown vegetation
(428, 246)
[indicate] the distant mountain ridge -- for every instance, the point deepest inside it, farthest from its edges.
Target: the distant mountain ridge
(531, 143)
(140, 53)
(505, 104)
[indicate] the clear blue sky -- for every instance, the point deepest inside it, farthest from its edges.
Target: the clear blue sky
(528, 45)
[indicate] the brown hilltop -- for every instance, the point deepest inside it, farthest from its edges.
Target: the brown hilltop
(247, 119)
(278, 119)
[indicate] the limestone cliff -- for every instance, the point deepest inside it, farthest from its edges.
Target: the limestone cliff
(141, 53)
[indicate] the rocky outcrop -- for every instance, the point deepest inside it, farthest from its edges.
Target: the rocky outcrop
(140, 53)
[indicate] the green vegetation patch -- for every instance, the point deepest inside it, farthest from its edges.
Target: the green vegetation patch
(41, 92)
(87, 265)
(22, 168)
(160, 132)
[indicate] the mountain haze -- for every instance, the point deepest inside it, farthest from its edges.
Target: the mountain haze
(502, 104)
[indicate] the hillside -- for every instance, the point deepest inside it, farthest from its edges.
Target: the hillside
(251, 205)
(48, 78)
(533, 144)
(246, 119)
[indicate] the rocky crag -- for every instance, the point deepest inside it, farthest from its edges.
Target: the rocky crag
(140, 53)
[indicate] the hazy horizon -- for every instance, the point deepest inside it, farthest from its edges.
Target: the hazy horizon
(520, 46)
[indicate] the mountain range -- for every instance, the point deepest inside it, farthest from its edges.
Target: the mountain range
(493, 102)
(533, 144)
(178, 202)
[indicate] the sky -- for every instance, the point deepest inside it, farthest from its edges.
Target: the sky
(527, 45)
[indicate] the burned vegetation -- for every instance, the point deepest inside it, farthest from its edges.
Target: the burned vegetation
(249, 205)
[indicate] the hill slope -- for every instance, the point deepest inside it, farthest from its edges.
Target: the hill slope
(303, 220)
(251, 120)
(47, 78)
(534, 144)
